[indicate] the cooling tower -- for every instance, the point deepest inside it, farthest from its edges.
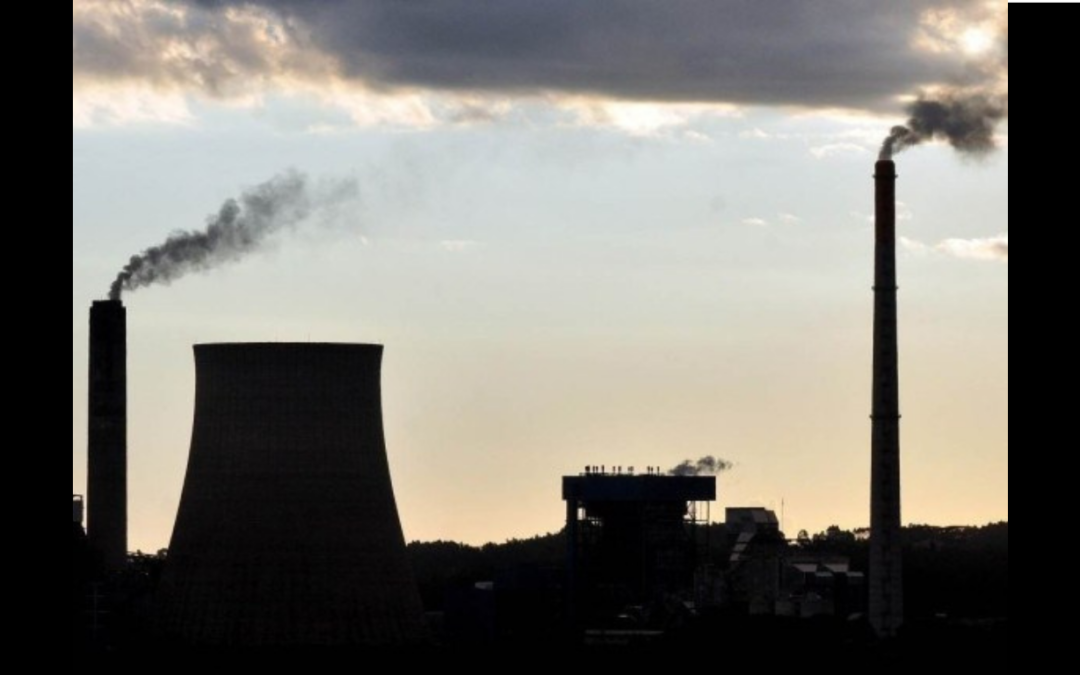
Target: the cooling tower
(107, 435)
(886, 565)
(288, 532)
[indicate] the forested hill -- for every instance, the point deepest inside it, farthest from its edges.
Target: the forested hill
(953, 571)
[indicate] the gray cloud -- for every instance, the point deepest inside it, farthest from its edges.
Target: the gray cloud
(169, 45)
(991, 248)
(995, 249)
(826, 53)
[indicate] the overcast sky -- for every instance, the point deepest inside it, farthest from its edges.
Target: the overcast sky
(615, 232)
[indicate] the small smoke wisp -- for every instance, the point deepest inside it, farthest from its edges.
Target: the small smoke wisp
(706, 466)
(242, 226)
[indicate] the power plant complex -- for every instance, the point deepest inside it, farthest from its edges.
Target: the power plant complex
(288, 531)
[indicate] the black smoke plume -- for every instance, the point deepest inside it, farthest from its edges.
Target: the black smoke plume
(967, 122)
(706, 466)
(242, 226)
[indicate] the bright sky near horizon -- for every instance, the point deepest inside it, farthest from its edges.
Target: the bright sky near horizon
(622, 236)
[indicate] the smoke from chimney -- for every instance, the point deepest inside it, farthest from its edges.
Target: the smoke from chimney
(242, 226)
(967, 114)
(968, 122)
(706, 466)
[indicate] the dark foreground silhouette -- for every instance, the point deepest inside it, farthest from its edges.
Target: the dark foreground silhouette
(957, 584)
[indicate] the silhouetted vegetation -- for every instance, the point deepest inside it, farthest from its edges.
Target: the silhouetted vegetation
(950, 571)
(956, 572)
(957, 595)
(441, 566)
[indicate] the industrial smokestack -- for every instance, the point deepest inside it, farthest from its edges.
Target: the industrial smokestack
(107, 434)
(886, 565)
(288, 532)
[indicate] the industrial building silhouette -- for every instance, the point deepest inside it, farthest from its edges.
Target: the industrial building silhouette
(631, 539)
(288, 533)
(107, 435)
(886, 564)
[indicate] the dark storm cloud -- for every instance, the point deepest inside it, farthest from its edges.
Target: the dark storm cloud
(820, 53)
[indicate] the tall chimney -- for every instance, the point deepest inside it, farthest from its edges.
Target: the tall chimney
(886, 565)
(107, 437)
